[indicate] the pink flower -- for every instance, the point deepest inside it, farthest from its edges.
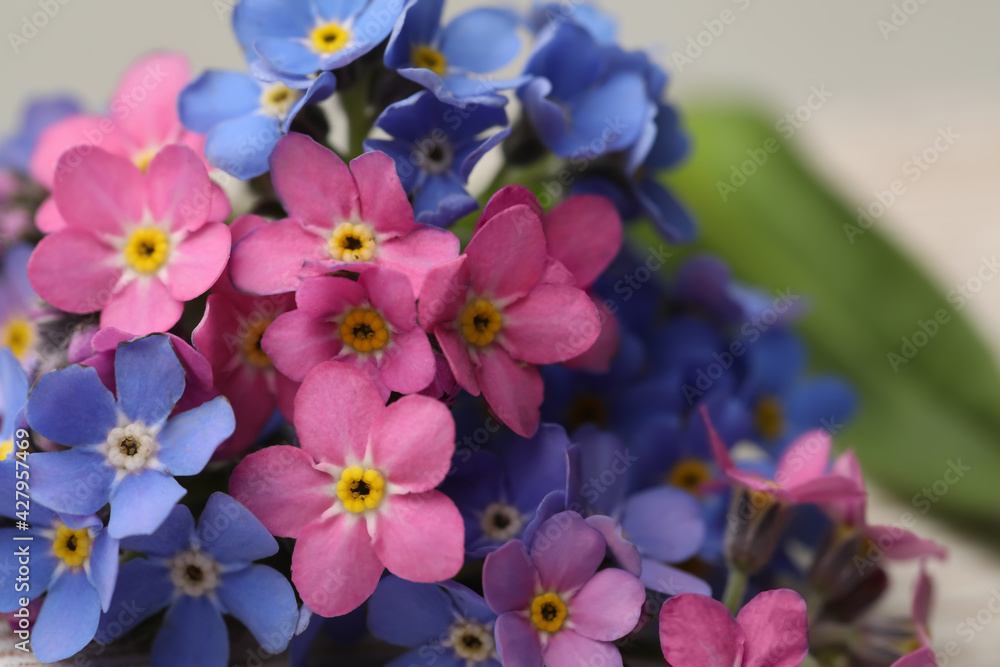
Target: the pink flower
(770, 631)
(583, 235)
(142, 119)
(923, 656)
(495, 317)
(229, 335)
(370, 323)
(339, 218)
(359, 495)
(136, 246)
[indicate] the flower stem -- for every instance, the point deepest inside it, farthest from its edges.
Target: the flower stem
(736, 587)
(355, 103)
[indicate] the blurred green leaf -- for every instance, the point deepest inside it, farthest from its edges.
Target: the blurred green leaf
(785, 229)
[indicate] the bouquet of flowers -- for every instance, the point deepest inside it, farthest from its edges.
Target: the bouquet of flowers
(274, 379)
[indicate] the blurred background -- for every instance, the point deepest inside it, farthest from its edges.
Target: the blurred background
(869, 92)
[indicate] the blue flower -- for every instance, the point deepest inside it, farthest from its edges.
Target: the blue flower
(125, 452)
(444, 623)
(450, 60)
(600, 25)
(15, 151)
(300, 37)
(498, 496)
(19, 306)
(244, 114)
(72, 558)
(592, 103)
(435, 146)
(198, 574)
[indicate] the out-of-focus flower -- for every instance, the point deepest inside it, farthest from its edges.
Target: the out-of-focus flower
(39, 114)
(20, 307)
(359, 495)
(136, 245)
(126, 452)
(436, 146)
(198, 574)
(339, 218)
(553, 605)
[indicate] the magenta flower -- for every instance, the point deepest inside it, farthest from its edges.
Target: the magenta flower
(141, 120)
(553, 605)
(230, 335)
(136, 246)
(924, 655)
(495, 316)
(359, 495)
(770, 631)
(339, 218)
(370, 323)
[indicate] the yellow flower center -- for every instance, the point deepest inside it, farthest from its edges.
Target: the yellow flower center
(769, 418)
(143, 159)
(360, 489)
(364, 330)
(352, 242)
(480, 321)
(689, 475)
(147, 250)
(278, 99)
(6, 449)
(72, 546)
(548, 612)
(252, 350)
(429, 58)
(330, 38)
(18, 334)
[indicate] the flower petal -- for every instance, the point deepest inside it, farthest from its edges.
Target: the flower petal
(805, 459)
(141, 503)
(175, 534)
(566, 552)
(315, 185)
(72, 407)
(412, 442)
(143, 589)
(142, 307)
(145, 100)
(188, 440)
(74, 270)
(513, 390)
(178, 191)
(149, 379)
(507, 254)
(271, 624)
(73, 481)
(408, 365)
(82, 132)
(662, 578)
(665, 523)
(900, 544)
(296, 342)
(405, 613)
(569, 649)
(553, 323)
(517, 642)
(509, 578)
(231, 533)
(269, 259)
(444, 293)
(421, 537)
(198, 261)
(697, 631)
(193, 633)
(776, 629)
(417, 253)
(608, 606)
(100, 192)
(584, 233)
(68, 618)
(383, 203)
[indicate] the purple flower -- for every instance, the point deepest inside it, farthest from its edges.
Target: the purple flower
(553, 605)
(199, 574)
(126, 452)
(20, 307)
(15, 151)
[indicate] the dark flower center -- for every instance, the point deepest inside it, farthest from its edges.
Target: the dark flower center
(471, 641)
(71, 543)
(128, 446)
(501, 521)
(549, 611)
(363, 331)
(352, 243)
(194, 574)
(361, 488)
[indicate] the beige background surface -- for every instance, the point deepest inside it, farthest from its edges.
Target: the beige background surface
(892, 91)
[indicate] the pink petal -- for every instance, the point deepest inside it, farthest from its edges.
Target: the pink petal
(823, 490)
(510, 580)
(383, 202)
(850, 511)
(517, 641)
(719, 450)
(584, 232)
(314, 184)
(178, 190)
(805, 459)
(900, 544)
(608, 606)
(82, 132)
(390, 293)
(569, 649)
(697, 631)
(922, 598)
(508, 197)
(198, 261)
(296, 343)
(102, 193)
(74, 271)
(282, 489)
(220, 209)
(553, 323)
(212, 336)
(269, 259)
(412, 442)
(776, 629)
(407, 365)
(598, 358)
(444, 293)
(286, 390)
(253, 405)
(48, 218)
(145, 101)
(920, 658)
(513, 390)
(245, 224)
(421, 537)
(417, 253)
(456, 353)
(327, 296)
(507, 255)
(335, 409)
(143, 306)
(334, 567)
(566, 552)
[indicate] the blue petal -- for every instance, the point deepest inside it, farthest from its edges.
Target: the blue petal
(670, 218)
(143, 589)
(104, 567)
(253, 19)
(14, 388)
(16, 151)
(551, 505)
(68, 618)
(607, 118)
(175, 534)
(443, 657)
(470, 156)
(232, 534)
(263, 600)
(462, 89)
(468, 603)
(664, 523)
(337, 10)
(602, 486)
(411, 119)
(823, 402)
(41, 565)
(374, 24)
(404, 613)
(190, 438)
(15, 273)
(546, 116)
(442, 200)
(242, 146)
(74, 481)
(569, 76)
(288, 55)
(418, 25)
(318, 90)
(410, 176)
(71, 407)
(535, 467)
(669, 580)
(481, 40)
(218, 96)
(672, 145)
(193, 634)
(775, 361)
(141, 502)
(149, 378)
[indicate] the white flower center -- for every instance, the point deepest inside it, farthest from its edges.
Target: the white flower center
(131, 447)
(194, 572)
(501, 522)
(472, 641)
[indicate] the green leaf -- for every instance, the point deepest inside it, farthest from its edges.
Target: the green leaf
(784, 228)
